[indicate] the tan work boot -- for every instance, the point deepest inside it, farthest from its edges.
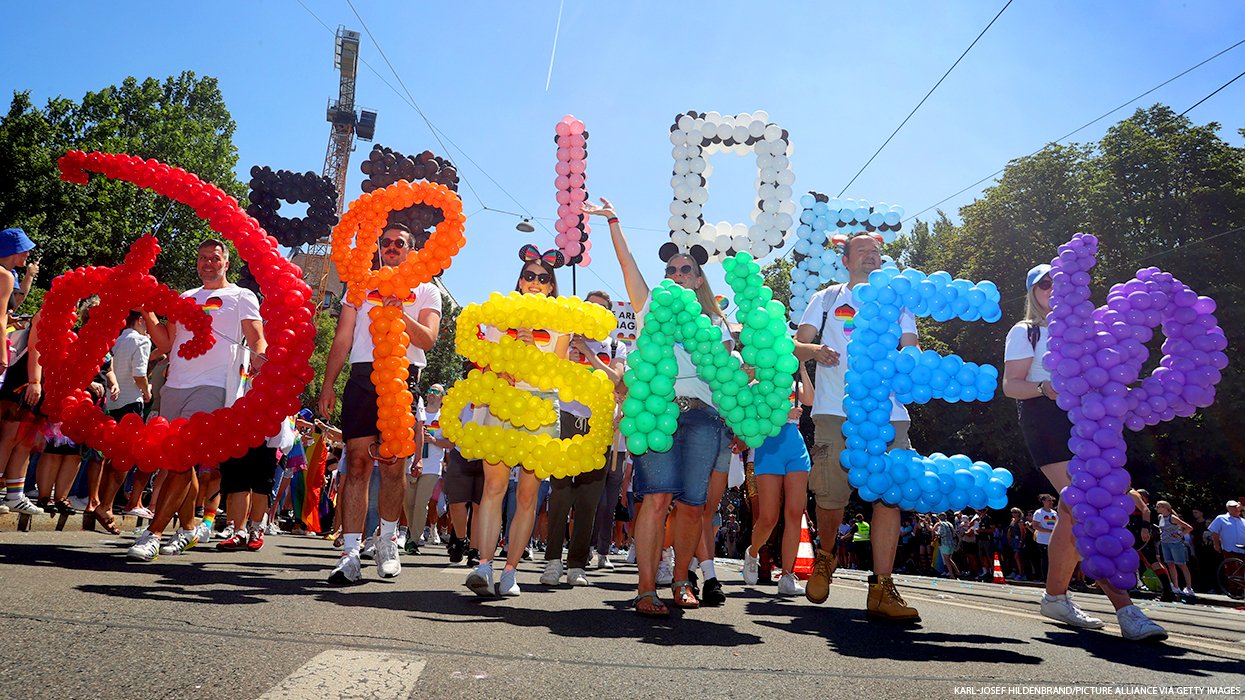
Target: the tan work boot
(885, 603)
(818, 587)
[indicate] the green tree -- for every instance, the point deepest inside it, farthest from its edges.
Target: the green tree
(444, 362)
(181, 121)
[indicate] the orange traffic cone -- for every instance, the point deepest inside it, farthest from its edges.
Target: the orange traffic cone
(998, 570)
(804, 556)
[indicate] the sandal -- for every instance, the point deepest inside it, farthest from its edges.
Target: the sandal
(684, 598)
(110, 524)
(656, 609)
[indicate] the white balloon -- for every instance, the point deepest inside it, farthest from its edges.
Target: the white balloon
(712, 118)
(740, 134)
(772, 132)
(700, 195)
(697, 165)
(681, 167)
(679, 152)
(685, 122)
(756, 128)
(761, 116)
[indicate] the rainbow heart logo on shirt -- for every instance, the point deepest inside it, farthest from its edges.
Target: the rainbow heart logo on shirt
(846, 315)
(212, 304)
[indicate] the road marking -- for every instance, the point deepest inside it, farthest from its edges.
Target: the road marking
(350, 673)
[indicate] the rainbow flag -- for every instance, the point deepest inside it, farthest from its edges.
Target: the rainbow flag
(308, 481)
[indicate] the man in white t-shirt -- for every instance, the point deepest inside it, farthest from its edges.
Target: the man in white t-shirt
(1043, 523)
(823, 334)
(421, 310)
(202, 384)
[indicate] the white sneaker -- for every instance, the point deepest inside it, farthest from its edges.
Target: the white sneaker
(403, 535)
(1136, 626)
(146, 548)
(603, 562)
(203, 532)
(665, 568)
(508, 585)
(227, 532)
(436, 536)
(553, 573)
(183, 540)
(631, 555)
(387, 556)
(1061, 608)
(480, 580)
(788, 584)
(4, 508)
(24, 506)
(1189, 592)
(577, 577)
(348, 570)
(426, 535)
(752, 568)
(272, 529)
(368, 551)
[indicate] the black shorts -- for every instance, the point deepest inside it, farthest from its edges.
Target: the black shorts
(463, 479)
(251, 472)
(1046, 429)
(118, 413)
(359, 411)
(14, 387)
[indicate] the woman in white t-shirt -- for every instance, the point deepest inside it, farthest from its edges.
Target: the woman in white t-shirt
(1046, 429)
(536, 277)
(680, 474)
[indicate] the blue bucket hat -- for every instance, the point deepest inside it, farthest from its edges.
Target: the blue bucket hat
(14, 241)
(1036, 273)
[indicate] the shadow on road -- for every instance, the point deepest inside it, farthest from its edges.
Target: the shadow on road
(1163, 657)
(850, 633)
(617, 622)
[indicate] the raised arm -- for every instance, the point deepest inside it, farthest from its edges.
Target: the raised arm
(637, 288)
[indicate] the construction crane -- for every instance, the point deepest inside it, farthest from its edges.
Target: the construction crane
(347, 124)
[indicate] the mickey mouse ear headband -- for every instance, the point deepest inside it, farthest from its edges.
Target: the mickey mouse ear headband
(696, 252)
(553, 257)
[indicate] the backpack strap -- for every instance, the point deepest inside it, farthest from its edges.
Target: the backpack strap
(1034, 332)
(826, 303)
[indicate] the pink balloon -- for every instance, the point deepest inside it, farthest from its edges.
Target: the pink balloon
(575, 166)
(563, 128)
(586, 261)
(576, 153)
(575, 180)
(564, 197)
(578, 196)
(574, 248)
(565, 153)
(564, 168)
(577, 127)
(563, 182)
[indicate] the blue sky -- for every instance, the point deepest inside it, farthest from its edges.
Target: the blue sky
(839, 76)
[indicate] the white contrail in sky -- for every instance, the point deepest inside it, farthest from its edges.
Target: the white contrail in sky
(554, 52)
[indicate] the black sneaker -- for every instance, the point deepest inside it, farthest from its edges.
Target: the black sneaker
(714, 595)
(473, 558)
(455, 548)
(695, 581)
(527, 554)
(199, 512)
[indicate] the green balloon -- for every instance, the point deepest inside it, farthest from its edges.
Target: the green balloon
(667, 423)
(660, 442)
(645, 422)
(662, 385)
(638, 443)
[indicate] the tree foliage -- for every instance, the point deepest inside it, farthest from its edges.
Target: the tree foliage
(1156, 190)
(181, 121)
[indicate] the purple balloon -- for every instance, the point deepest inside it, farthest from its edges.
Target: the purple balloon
(1096, 356)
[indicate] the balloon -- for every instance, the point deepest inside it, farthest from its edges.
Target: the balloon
(385, 166)
(754, 412)
(355, 240)
(572, 141)
(269, 187)
(820, 237)
(544, 455)
(72, 359)
(1095, 358)
(876, 369)
(696, 137)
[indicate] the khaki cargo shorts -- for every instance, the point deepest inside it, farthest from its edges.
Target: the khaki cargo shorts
(828, 479)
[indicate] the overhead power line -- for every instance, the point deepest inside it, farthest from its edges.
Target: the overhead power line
(1093, 121)
(923, 99)
(1212, 94)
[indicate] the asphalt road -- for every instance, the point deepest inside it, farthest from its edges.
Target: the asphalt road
(81, 622)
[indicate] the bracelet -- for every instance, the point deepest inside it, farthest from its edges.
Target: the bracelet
(612, 220)
(1042, 389)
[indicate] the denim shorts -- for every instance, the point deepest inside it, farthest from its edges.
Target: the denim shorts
(1175, 553)
(684, 469)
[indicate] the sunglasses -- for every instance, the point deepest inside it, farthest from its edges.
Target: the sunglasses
(683, 269)
(392, 243)
(529, 276)
(434, 392)
(1044, 284)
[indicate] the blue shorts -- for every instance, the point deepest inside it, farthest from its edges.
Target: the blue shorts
(722, 464)
(683, 470)
(785, 453)
(1175, 553)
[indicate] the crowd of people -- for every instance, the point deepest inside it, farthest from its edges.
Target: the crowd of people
(660, 507)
